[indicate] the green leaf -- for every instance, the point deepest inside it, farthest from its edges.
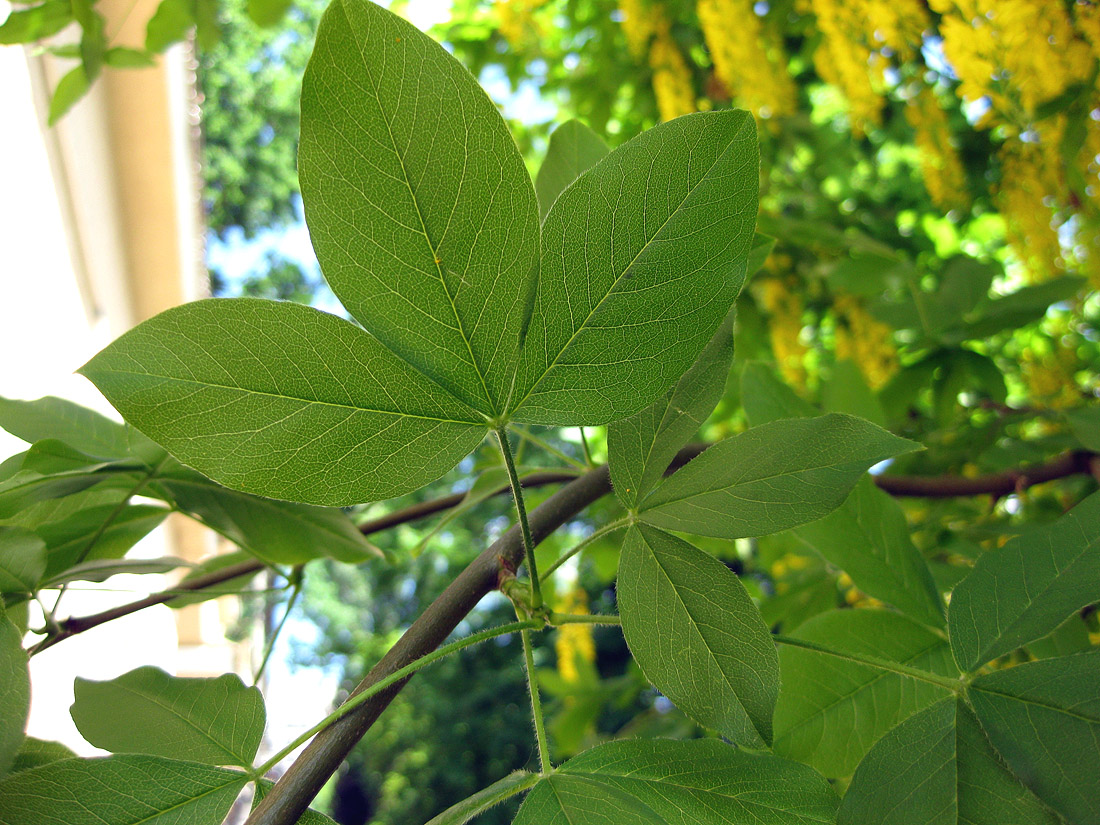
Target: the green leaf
(15, 694)
(665, 782)
(98, 533)
(1026, 588)
(36, 23)
(626, 302)
(1044, 720)
(868, 538)
(762, 246)
(169, 24)
(267, 13)
(276, 532)
(831, 710)
(768, 399)
(217, 720)
(772, 477)
(418, 203)
(640, 448)
(847, 391)
(938, 768)
(1085, 423)
(211, 565)
(25, 489)
(697, 635)
(462, 812)
(35, 752)
(573, 150)
(1021, 307)
(70, 88)
(22, 560)
(282, 400)
(119, 790)
(123, 58)
(102, 569)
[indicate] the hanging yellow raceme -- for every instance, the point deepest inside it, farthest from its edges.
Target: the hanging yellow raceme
(517, 23)
(1031, 186)
(752, 70)
(1017, 53)
(639, 22)
(941, 168)
(574, 642)
(671, 76)
(844, 60)
(785, 307)
(865, 340)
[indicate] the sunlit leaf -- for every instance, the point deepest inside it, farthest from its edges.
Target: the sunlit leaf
(625, 303)
(418, 203)
(697, 635)
(215, 720)
(573, 150)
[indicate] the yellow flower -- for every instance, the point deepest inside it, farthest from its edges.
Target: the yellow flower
(944, 176)
(753, 70)
(784, 305)
(516, 21)
(640, 20)
(865, 340)
(671, 76)
(574, 641)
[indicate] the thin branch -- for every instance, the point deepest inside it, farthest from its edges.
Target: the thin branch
(995, 484)
(998, 484)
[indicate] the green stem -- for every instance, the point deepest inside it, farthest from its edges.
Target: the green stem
(598, 534)
(483, 800)
(954, 685)
(550, 448)
(294, 593)
(536, 703)
(587, 452)
(557, 619)
(524, 526)
(408, 670)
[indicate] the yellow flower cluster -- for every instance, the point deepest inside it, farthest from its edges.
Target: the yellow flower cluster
(517, 23)
(865, 340)
(844, 60)
(1049, 376)
(640, 19)
(785, 330)
(941, 168)
(1018, 53)
(574, 640)
(853, 595)
(1030, 185)
(851, 56)
(671, 76)
(754, 72)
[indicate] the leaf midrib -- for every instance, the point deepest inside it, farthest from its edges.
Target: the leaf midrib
(285, 397)
(244, 763)
(881, 674)
(665, 783)
(618, 278)
(1038, 703)
(706, 646)
(423, 227)
(1003, 633)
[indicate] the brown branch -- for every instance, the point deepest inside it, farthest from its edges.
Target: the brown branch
(995, 484)
(79, 624)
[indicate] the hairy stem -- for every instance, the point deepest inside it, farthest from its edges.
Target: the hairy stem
(536, 703)
(524, 526)
(598, 534)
